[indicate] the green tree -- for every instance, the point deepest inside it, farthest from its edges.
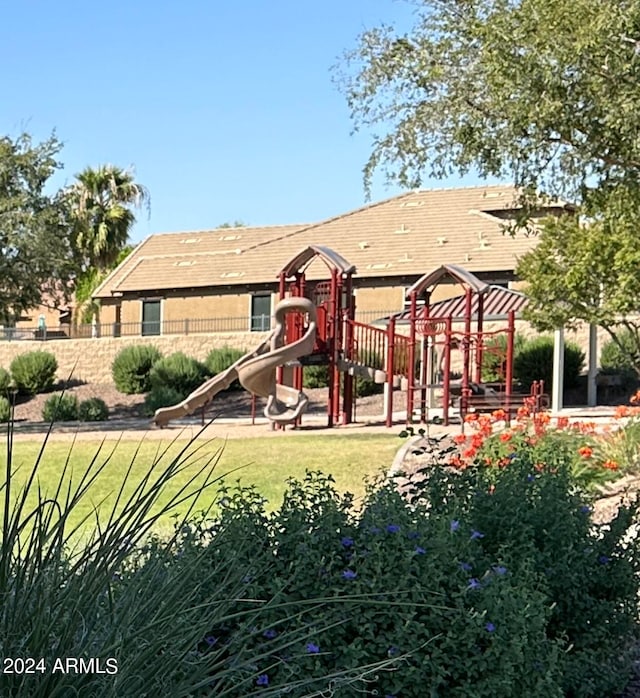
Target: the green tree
(102, 202)
(234, 224)
(35, 246)
(543, 93)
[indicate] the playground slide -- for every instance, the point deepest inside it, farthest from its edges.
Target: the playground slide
(256, 372)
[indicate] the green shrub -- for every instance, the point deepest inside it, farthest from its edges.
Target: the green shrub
(60, 407)
(131, 367)
(5, 381)
(161, 396)
(494, 357)
(614, 359)
(5, 409)
(34, 372)
(178, 371)
(94, 409)
(534, 361)
(315, 377)
(219, 360)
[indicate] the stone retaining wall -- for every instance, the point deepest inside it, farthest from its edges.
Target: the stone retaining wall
(90, 359)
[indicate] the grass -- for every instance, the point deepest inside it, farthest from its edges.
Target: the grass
(265, 463)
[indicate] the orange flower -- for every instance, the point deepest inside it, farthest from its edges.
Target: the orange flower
(492, 489)
(621, 412)
(487, 461)
(471, 417)
(523, 413)
(499, 415)
(635, 398)
(503, 462)
(539, 467)
(469, 452)
(457, 462)
(505, 436)
(585, 451)
(610, 465)
(562, 422)
(459, 438)
(477, 440)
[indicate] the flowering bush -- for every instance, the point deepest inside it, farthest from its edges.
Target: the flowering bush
(493, 442)
(490, 582)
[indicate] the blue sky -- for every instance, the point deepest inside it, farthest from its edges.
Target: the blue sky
(226, 110)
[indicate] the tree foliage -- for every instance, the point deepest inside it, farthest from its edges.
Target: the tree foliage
(543, 93)
(35, 252)
(102, 201)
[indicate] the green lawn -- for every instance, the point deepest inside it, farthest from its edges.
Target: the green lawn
(263, 462)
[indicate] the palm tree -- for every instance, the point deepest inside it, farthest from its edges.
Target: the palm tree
(102, 202)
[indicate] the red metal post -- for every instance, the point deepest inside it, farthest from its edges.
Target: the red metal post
(411, 378)
(347, 311)
(391, 346)
(466, 340)
(334, 349)
(446, 371)
(479, 338)
(508, 389)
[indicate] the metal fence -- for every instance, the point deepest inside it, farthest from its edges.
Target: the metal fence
(187, 326)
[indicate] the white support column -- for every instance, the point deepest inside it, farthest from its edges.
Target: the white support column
(592, 388)
(558, 370)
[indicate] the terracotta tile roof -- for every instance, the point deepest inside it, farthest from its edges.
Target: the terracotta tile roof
(405, 235)
(188, 259)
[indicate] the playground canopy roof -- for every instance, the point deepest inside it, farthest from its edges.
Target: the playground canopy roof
(498, 302)
(331, 258)
(454, 271)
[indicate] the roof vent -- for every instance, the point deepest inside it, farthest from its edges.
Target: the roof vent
(406, 258)
(189, 241)
(402, 230)
(411, 204)
(441, 240)
(231, 274)
(184, 263)
(467, 257)
(230, 237)
(381, 265)
(363, 245)
(484, 244)
(493, 194)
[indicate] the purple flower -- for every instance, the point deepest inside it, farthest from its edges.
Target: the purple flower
(489, 627)
(393, 528)
(604, 560)
(392, 651)
(531, 478)
(474, 584)
(419, 551)
(312, 648)
(349, 574)
(262, 680)
(270, 633)
(475, 535)
(211, 640)
(455, 525)
(499, 569)
(347, 542)
(465, 567)
(413, 535)
(584, 509)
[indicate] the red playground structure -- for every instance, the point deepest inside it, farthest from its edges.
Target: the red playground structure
(419, 362)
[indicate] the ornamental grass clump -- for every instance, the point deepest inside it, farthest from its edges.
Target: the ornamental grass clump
(131, 598)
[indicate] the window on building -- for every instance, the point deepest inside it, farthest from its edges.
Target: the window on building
(150, 317)
(260, 312)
